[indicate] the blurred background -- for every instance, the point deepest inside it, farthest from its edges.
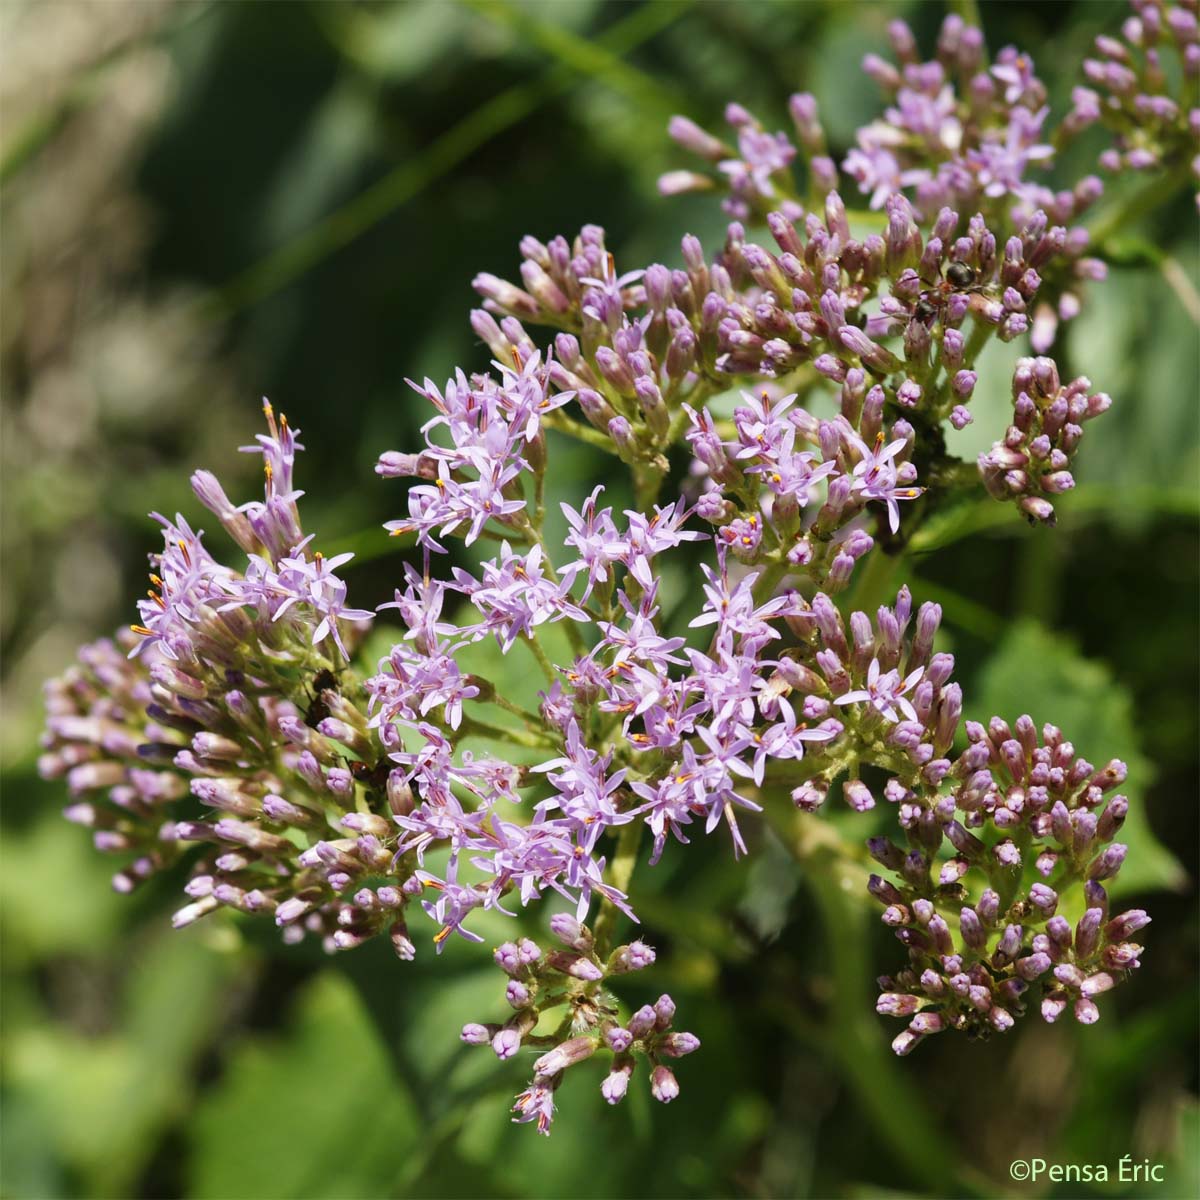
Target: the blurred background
(203, 203)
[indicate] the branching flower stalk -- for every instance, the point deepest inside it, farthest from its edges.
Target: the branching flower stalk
(238, 724)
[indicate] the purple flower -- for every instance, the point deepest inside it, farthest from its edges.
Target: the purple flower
(595, 537)
(515, 596)
(1015, 71)
(735, 614)
(885, 692)
(314, 584)
(454, 904)
(585, 791)
(783, 740)
(876, 476)
(536, 1103)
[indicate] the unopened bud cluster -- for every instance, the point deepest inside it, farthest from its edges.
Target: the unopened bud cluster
(975, 897)
(1031, 463)
(1142, 87)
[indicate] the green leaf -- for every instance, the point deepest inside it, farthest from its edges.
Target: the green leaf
(38, 920)
(771, 885)
(103, 1100)
(1138, 343)
(316, 1113)
(1187, 1164)
(1041, 673)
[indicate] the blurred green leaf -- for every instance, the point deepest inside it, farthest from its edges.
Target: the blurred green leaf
(314, 1112)
(1185, 1171)
(394, 43)
(1140, 345)
(342, 226)
(39, 921)
(104, 1100)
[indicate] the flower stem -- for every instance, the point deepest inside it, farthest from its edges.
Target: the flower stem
(875, 582)
(531, 640)
(647, 481)
(619, 874)
(576, 429)
(1136, 204)
(502, 733)
(852, 1037)
(531, 719)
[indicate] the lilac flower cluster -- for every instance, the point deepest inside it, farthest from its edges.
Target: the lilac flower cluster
(340, 795)
(1136, 91)
(575, 980)
(236, 693)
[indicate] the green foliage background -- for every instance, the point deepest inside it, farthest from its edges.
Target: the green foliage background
(204, 202)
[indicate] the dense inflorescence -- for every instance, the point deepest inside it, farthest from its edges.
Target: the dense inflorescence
(343, 797)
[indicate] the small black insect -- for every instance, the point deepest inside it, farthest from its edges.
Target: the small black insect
(324, 680)
(925, 311)
(371, 776)
(959, 278)
(961, 275)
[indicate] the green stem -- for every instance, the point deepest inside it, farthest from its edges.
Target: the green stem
(768, 581)
(1136, 205)
(503, 733)
(647, 480)
(880, 1085)
(531, 719)
(531, 640)
(851, 1036)
(563, 424)
(969, 11)
(620, 872)
(875, 582)
(539, 500)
